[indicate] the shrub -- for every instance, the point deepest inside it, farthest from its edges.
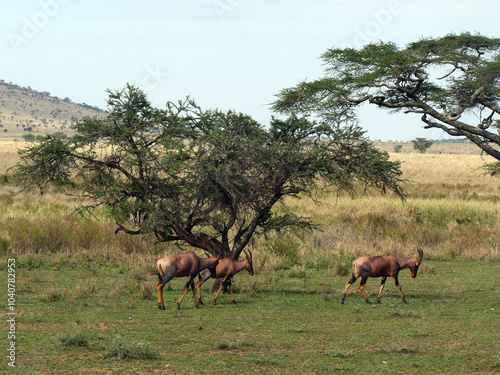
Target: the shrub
(147, 291)
(339, 354)
(5, 179)
(4, 246)
(121, 349)
(74, 339)
(54, 295)
(233, 345)
(285, 245)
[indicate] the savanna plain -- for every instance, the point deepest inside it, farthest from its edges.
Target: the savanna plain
(85, 299)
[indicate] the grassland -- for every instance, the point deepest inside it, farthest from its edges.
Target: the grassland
(72, 319)
(85, 298)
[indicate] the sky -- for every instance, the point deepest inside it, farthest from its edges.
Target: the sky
(226, 54)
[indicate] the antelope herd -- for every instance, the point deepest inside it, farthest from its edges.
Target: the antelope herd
(190, 265)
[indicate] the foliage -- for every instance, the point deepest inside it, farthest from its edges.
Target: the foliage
(29, 137)
(398, 148)
(74, 339)
(122, 349)
(4, 246)
(205, 178)
(441, 79)
(58, 135)
(421, 144)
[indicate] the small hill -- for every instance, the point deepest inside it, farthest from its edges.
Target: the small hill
(26, 111)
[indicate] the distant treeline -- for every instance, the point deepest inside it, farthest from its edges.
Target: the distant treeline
(453, 140)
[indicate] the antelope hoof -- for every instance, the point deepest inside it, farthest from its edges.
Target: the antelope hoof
(178, 306)
(368, 302)
(200, 302)
(406, 302)
(161, 307)
(234, 302)
(378, 301)
(215, 303)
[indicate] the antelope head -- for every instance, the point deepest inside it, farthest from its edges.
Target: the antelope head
(249, 258)
(414, 266)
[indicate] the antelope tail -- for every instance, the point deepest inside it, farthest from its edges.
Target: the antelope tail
(160, 278)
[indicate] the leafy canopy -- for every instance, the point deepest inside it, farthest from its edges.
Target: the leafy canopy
(441, 79)
(206, 178)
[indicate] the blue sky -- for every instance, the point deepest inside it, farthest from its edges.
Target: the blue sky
(229, 54)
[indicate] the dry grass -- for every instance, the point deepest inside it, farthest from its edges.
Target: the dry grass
(444, 228)
(448, 176)
(451, 211)
(8, 154)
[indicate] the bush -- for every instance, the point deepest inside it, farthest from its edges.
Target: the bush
(287, 246)
(121, 349)
(5, 179)
(4, 246)
(54, 295)
(232, 345)
(74, 339)
(147, 292)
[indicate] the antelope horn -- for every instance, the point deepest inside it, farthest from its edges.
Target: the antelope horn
(421, 254)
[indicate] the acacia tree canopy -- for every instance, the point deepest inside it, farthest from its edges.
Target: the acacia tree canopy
(206, 178)
(440, 79)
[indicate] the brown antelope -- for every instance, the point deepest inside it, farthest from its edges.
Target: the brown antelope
(187, 265)
(382, 266)
(226, 269)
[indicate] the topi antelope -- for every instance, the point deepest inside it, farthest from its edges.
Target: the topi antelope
(226, 269)
(187, 265)
(382, 266)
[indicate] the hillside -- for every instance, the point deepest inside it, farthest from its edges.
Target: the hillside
(26, 111)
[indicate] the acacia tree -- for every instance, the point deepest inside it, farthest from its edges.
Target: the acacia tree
(421, 144)
(205, 178)
(440, 79)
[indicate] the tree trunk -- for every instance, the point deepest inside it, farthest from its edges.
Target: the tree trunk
(216, 286)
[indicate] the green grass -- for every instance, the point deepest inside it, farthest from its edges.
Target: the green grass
(86, 299)
(93, 318)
